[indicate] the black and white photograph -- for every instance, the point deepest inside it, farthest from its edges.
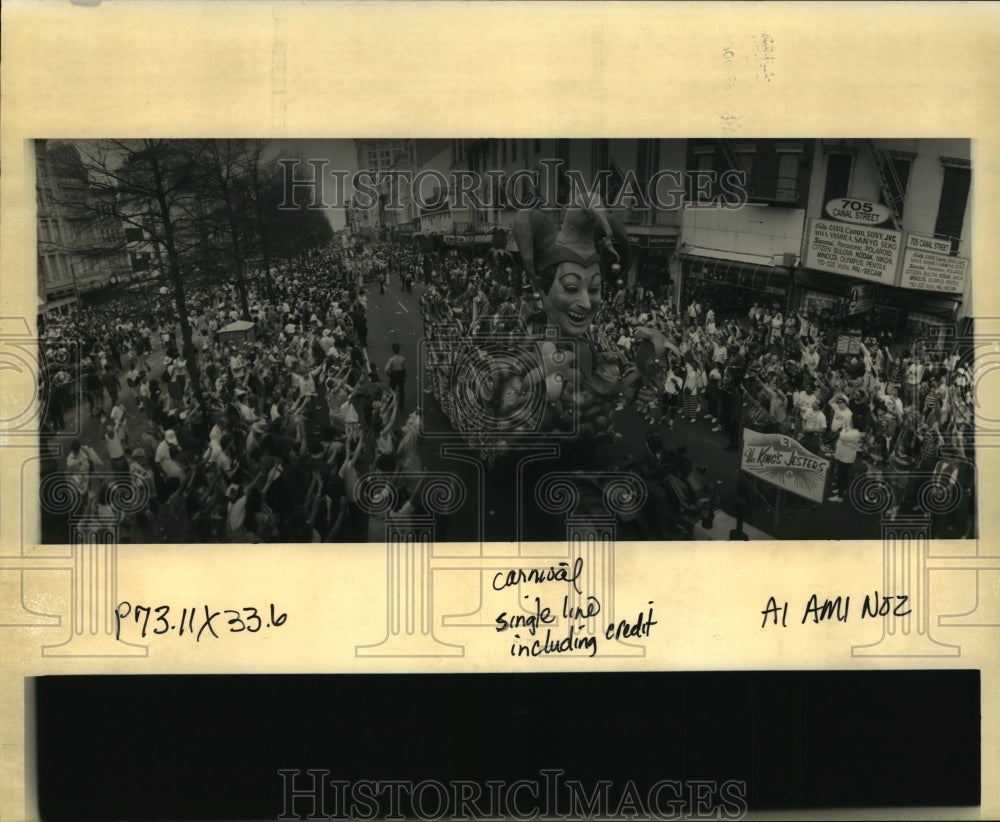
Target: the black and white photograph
(702, 339)
(498, 410)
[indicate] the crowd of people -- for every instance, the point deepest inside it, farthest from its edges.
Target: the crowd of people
(870, 403)
(266, 434)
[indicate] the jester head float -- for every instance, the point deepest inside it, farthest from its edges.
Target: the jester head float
(568, 264)
(551, 368)
(580, 369)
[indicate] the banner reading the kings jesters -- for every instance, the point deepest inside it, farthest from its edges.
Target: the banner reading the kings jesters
(782, 461)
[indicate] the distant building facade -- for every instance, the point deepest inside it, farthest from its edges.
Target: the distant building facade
(81, 243)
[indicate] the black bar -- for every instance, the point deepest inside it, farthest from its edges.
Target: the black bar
(211, 747)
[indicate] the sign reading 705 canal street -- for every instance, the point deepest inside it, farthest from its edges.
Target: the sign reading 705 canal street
(853, 250)
(781, 461)
(929, 266)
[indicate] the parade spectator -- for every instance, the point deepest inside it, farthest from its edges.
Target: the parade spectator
(395, 370)
(301, 397)
(845, 455)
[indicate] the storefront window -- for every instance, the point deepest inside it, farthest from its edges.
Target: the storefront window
(838, 176)
(731, 287)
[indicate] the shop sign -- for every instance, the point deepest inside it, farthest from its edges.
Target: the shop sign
(652, 241)
(860, 299)
(848, 344)
(853, 250)
(864, 212)
(662, 241)
(819, 302)
(928, 266)
(468, 239)
(783, 462)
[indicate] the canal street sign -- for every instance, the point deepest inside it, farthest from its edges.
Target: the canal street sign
(853, 210)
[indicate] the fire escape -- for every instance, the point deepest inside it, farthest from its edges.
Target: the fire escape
(892, 187)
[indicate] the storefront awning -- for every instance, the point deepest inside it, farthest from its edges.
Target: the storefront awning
(756, 276)
(907, 299)
(922, 302)
(58, 303)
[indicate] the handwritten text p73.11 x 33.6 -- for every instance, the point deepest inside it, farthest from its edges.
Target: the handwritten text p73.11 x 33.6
(194, 621)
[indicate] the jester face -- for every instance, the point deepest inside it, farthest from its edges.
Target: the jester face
(574, 298)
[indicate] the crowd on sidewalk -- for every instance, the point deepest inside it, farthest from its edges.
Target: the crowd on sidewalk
(896, 408)
(258, 435)
(265, 438)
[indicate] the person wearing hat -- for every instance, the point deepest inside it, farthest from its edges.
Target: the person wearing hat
(842, 413)
(326, 340)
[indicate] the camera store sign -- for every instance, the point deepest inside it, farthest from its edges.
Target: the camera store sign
(929, 266)
(853, 250)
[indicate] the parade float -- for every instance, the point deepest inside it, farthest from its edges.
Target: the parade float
(509, 374)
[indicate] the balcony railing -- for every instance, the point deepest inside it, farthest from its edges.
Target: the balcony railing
(770, 189)
(774, 189)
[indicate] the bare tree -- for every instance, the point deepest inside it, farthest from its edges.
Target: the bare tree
(155, 185)
(224, 164)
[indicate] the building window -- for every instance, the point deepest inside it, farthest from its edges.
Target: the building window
(951, 208)
(745, 158)
(897, 177)
(642, 160)
(838, 176)
(786, 186)
(703, 160)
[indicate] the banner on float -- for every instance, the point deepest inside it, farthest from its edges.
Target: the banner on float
(782, 461)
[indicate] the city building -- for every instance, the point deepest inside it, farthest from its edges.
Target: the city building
(510, 171)
(81, 243)
(377, 156)
(871, 233)
(887, 240)
(743, 222)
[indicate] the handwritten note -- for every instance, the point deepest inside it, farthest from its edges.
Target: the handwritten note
(565, 622)
(837, 609)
